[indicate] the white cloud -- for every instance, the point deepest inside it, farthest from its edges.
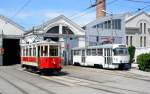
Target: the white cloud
(24, 15)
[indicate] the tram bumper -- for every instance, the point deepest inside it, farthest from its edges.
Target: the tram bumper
(125, 66)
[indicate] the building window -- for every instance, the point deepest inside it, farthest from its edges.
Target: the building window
(127, 40)
(141, 27)
(144, 28)
(140, 41)
(119, 24)
(130, 40)
(116, 24)
(109, 24)
(145, 41)
(97, 39)
(106, 24)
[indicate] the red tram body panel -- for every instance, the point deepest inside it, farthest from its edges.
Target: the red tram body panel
(49, 62)
(43, 56)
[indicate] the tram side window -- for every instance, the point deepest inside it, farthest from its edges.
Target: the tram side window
(34, 51)
(108, 52)
(88, 52)
(99, 52)
(94, 52)
(30, 51)
(26, 51)
(46, 51)
(76, 52)
(42, 51)
(23, 51)
(53, 51)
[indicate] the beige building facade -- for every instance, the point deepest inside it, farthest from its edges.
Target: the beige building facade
(138, 30)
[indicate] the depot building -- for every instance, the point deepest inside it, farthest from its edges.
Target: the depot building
(10, 34)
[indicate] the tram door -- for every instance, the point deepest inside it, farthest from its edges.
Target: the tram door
(83, 56)
(108, 57)
(38, 54)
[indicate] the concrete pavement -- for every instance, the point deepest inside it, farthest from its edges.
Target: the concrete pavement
(73, 80)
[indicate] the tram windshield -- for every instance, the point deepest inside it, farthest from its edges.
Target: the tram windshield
(120, 51)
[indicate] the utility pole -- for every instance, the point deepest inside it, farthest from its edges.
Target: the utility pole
(111, 27)
(66, 46)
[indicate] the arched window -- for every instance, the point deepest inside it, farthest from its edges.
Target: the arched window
(53, 30)
(67, 30)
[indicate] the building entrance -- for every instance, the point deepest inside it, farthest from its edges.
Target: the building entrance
(11, 51)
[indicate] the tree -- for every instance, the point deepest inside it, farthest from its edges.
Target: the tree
(131, 50)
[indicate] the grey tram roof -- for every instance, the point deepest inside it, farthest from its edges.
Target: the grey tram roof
(98, 46)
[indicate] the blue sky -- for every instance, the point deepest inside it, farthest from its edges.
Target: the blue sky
(39, 11)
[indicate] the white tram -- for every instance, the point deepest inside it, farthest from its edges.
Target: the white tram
(111, 56)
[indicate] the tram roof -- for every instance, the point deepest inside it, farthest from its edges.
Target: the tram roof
(41, 42)
(102, 46)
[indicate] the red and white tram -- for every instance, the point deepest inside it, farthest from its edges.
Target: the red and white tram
(42, 56)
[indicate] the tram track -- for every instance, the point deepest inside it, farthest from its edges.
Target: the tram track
(18, 88)
(132, 76)
(30, 83)
(42, 77)
(93, 84)
(116, 73)
(78, 83)
(97, 83)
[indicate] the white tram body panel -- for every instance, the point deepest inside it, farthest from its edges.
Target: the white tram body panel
(108, 56)
(91, 60)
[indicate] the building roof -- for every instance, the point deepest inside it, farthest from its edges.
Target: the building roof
(134, 16)
(12, 22)
(40, 27)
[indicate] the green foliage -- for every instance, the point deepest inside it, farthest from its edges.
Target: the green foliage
(144, 62)
(131, 50)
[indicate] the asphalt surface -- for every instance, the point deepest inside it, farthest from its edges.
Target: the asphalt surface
(72, 80)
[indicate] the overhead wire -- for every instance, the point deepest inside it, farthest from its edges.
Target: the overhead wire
(139, 1)
(139, 9)
(20, 10)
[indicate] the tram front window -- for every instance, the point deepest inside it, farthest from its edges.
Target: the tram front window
(120, 51)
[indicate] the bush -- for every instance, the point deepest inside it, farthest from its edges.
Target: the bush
(131, 50)
(144, 62)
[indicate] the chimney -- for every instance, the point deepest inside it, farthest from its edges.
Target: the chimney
(101, 5)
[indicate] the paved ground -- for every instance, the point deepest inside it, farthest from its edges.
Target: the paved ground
(74, 80)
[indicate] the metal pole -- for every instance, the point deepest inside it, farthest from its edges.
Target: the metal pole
(1, 46)
(111, 28)
(98, 35)
(66, 46)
